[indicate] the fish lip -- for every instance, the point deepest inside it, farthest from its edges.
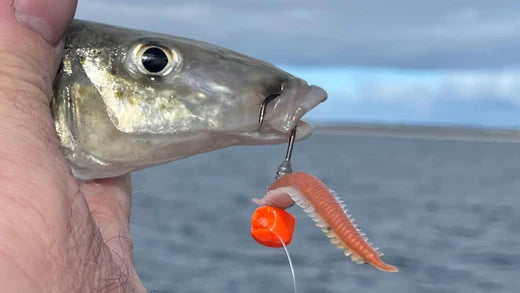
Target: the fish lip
(296, 99)
(272, 136)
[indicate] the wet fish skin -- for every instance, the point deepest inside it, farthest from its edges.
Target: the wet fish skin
(113, 116)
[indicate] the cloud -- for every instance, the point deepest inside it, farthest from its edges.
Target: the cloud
(402, 85)
(402, 33)
(483, 98)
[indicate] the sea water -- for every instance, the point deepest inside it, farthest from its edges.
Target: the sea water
(446, 213)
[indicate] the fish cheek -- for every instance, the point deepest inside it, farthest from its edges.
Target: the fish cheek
(93, 129)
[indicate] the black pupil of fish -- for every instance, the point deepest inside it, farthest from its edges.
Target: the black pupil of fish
(154, 60)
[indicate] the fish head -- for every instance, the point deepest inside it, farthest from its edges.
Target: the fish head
(129, 99)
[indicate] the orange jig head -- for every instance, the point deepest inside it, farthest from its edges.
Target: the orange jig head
(269, 224)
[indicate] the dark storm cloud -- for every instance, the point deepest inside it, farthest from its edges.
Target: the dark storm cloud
(477, 34)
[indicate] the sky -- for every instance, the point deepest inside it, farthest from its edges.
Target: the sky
(454, 63)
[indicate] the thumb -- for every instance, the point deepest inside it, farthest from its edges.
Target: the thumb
(48, 18)
(30, 31)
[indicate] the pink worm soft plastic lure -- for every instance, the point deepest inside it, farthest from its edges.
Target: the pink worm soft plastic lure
(328, 212)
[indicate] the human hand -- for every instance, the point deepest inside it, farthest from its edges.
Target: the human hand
(56, 234)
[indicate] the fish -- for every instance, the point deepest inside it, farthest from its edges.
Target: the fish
(127, 99)
(328, 212)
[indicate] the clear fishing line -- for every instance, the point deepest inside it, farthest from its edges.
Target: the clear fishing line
(289, 259)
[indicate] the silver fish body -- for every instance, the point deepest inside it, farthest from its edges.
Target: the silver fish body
(126, 99)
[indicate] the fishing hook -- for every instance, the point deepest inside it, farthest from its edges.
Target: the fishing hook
(286, 166)
(263, 109)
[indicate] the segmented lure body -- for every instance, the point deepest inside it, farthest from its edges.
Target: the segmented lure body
(328, 212)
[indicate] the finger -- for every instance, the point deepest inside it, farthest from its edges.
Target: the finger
(29, 47)
(109, 201)
(48, 18)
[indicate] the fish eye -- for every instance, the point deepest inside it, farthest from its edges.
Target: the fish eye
(155, 60)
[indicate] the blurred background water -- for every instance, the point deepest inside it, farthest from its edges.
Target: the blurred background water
(446, 213)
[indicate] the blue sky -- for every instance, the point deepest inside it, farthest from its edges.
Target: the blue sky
(404, 61)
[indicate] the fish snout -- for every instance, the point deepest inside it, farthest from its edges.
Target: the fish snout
(284, 112)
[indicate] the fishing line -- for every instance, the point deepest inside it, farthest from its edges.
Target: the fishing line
(289, 259)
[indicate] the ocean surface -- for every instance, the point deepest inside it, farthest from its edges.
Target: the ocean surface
(447, 213)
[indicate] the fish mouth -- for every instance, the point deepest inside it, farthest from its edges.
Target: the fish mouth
(284, 112)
